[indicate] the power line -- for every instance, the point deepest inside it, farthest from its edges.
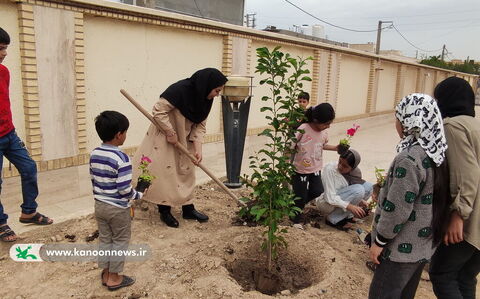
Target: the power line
(393, 26)
(355, 30)
(340, 27)
(463, 12)
(420, 29)
(448, 33)
(441, 22)
(198, 8)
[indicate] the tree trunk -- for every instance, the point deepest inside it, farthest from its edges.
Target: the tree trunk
(269, 255)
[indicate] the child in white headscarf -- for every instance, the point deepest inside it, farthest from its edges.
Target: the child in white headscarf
(411, 206)
(345, 191)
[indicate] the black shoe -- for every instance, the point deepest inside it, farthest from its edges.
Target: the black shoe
(297, 218)
(169, 220)
(194, 214)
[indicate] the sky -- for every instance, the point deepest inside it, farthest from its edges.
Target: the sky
(427, 24)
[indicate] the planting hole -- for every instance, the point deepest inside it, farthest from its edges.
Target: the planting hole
(287, 274)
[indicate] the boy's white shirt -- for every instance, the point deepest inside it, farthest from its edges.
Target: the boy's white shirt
(332, 182)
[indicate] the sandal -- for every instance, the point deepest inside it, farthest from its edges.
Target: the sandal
(5, 232)
(38, 219)
(126, 281)
(101, 278)
(342, 225)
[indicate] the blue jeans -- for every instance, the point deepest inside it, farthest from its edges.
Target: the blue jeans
(14, 150)
(352, 194)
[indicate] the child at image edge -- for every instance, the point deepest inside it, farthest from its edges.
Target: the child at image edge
(312, 139)
(111, 174)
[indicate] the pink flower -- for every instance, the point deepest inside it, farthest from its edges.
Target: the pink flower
(351, 132)
(146, 159)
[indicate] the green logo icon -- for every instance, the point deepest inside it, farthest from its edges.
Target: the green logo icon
(26, 252)
(23, 254)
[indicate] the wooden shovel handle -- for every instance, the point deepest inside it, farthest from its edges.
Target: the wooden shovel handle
(181, 148)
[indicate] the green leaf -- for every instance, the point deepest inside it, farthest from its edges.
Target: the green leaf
(266, 108)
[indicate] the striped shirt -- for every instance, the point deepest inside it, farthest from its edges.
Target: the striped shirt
(111, 174)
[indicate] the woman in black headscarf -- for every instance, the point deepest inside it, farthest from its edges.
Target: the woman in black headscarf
(456, 263)
(181, 112)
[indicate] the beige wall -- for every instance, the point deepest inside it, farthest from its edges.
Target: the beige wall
(429, 82)
(144, 60)
(441, 76)
(55, 36)
(9, 22)
(240, 56)
(386, 87)
(323, 76)
(69, 60)
(353, 86)
(257, 118)
(410, 82)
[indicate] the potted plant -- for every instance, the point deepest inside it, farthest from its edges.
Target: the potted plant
(380, 176)
(145, 178)
(344, 144)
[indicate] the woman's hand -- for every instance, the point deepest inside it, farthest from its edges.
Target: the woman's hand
(375, 252)
(198, 152)
(454, 232)
(172, 137)
(356, 210)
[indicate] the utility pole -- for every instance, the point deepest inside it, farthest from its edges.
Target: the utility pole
(444, 50)
(379, 35)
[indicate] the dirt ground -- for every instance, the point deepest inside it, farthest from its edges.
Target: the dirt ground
(198, 260)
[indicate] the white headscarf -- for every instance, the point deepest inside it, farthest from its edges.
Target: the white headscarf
(422, 124)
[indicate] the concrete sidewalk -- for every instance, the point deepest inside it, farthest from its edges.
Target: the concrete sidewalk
(66, 193)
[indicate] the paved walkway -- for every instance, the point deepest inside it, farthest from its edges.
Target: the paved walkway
(66, 193)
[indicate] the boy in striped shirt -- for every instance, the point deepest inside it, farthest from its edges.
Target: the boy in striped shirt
(111, 174)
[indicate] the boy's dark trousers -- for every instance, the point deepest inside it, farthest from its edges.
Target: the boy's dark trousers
(453, 271)
(307, 187)
(114, 230)
(394, 280)
(14, 150)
